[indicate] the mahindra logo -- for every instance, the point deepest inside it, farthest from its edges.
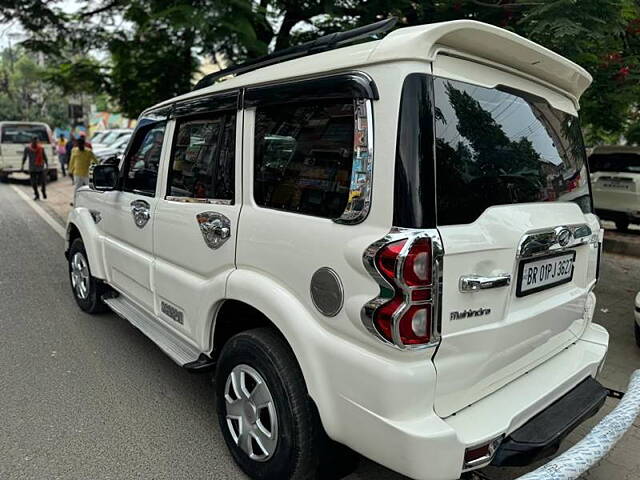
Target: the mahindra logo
(469, 313)
(563, 236)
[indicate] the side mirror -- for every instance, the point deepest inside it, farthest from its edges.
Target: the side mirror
(104, 177)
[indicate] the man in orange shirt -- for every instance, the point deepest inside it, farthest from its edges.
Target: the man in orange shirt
(38, 165)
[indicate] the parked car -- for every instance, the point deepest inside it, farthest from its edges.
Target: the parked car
(14, 138)
(637, 322)
(615, 174)
(116, 149)
(386, 246)
(111, 137)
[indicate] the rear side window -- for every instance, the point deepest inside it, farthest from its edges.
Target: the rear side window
(304, 156)
(23, 133)
(615, 162)
(203, 158)
(497, 147)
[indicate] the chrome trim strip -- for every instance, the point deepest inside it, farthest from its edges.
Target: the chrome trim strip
(359, 200)
(387, 291)
(210, 201)
(543, 242)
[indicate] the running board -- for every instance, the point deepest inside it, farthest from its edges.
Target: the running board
(175, 347)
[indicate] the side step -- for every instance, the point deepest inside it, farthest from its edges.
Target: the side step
(180, 351)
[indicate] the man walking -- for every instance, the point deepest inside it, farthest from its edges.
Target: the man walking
(38, 165)
(81, 159)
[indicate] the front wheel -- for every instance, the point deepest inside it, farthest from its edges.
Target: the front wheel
(87, 290)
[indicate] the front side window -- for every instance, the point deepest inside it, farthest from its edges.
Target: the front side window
(143, 160)
(498, 147)
(203, 158)
(304, 157)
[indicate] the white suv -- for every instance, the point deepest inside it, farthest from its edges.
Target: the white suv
(15, 137)
(379, 245)
(616, 184)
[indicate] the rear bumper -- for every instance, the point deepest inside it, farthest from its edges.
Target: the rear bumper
(541, 436)
(424, 446)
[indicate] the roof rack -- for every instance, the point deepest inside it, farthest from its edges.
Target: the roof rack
(320, 44)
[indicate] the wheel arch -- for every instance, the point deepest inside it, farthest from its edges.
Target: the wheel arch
(275, 306)
(82, 225)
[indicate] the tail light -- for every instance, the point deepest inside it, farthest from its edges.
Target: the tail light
(406, 317)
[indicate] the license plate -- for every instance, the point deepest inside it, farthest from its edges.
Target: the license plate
(541, 273)
(617, 185)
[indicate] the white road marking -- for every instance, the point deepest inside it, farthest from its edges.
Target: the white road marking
(59, 229)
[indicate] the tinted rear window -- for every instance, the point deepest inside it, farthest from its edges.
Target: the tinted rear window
(615, 162)
(23, 133)
(496, 147)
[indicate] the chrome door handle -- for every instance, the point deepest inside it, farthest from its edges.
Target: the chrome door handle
(215, 228)
(140, 209)
(473, 283)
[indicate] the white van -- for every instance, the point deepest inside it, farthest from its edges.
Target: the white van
(15, 136)
(389, 246)
(615, 176)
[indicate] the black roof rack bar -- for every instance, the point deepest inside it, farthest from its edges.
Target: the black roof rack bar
(320, 44)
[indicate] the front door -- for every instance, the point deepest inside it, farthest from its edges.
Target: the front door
(127, 217)
(196, 220)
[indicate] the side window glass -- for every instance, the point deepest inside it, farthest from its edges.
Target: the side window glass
(304, 157)
(203, 158)
(143, 161)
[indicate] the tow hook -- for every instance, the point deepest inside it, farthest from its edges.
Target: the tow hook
(615, 393)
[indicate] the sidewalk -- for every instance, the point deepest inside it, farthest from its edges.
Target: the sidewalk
(59, 195)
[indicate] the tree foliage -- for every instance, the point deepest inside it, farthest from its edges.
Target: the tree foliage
(152, 46)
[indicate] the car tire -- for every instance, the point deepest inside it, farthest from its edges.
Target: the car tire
(637, 329)
(87, 290)
(287, 439)
(53, 175)
(622, 225)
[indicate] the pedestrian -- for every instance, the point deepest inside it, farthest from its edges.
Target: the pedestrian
(62, 154)
(81, 159)
(68, 147)
(38, 166)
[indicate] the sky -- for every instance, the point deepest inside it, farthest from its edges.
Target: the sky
(12, 33)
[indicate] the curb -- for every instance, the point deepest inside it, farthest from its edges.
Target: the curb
(623, 247)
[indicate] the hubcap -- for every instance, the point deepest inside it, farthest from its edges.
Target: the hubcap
(80, 275)
(251, 414)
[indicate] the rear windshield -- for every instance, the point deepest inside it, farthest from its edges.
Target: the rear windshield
(615, 162)
(23, 133)
(496, 147)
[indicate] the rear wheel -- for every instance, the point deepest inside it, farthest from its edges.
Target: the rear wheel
(622, 225)
(87, 290)
(268, 421)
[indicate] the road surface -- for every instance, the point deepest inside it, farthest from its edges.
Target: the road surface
(89, 397)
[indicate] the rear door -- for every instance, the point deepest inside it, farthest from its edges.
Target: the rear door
(196, 221)
(513, 205)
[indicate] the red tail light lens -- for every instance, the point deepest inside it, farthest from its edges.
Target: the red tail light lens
(409, 312)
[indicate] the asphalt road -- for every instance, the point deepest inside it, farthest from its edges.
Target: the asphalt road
(89, 397)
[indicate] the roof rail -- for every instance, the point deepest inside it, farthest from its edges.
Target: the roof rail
(320, 44)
